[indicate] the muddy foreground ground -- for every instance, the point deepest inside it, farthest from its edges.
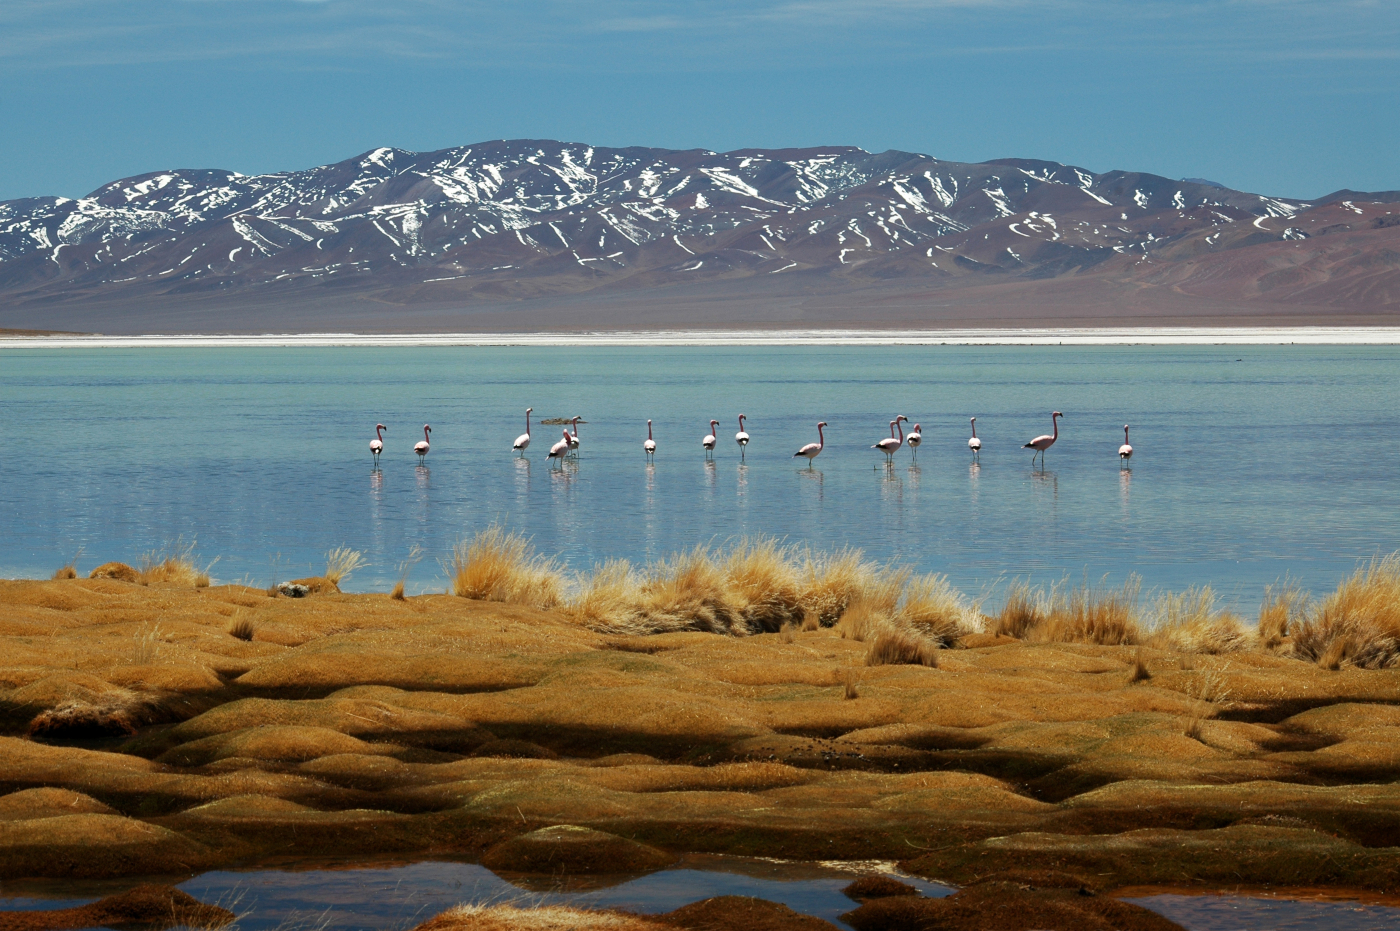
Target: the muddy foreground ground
(142, 738)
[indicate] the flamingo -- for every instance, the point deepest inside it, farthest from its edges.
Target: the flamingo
(573, 439)
(1125, 452)
(741, 437)
(813, 450)
(1043, 442)
(710, 441)
(561, 449)
(650, 445)
(522, 442)
(421, 447)
(914, 438)
(975, 444)
(891, 446)
(376, 446)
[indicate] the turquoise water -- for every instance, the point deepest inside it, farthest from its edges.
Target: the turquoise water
(1251, 462)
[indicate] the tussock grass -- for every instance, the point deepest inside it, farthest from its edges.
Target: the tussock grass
(174, 563)
(1359, 623)
(341, 562)
(1138, 671)
(241, 628)
(1189, 622)
(1209, 689)
(146, 646)
(849, 679)
(1285, 606)
(831, 581)
(1086, 613)
(415, 555)
(895, 647)
(763, 580)
(932, 607)
(69, 571)
(501, 565)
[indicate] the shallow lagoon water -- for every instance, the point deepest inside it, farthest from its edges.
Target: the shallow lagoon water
(394, 898)
(1252, 462)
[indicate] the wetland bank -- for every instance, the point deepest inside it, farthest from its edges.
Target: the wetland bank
(757, 701)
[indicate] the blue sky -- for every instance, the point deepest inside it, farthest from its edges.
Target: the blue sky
(1282, 97)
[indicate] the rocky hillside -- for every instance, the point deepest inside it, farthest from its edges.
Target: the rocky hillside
(501, 223)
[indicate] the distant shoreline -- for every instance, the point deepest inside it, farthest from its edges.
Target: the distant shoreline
(1048, 336)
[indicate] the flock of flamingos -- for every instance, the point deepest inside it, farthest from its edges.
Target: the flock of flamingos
(568, 445)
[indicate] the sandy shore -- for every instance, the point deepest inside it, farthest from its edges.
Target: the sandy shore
(1083, 336)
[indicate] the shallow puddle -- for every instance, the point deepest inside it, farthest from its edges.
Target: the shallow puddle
(394, 898)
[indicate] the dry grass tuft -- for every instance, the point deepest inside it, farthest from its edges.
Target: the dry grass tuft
(831, 581)
(1285, 606)
(849, 678)
(146, 646)
(762, 579)
(175, 564)
(69, 571)
(1188, 622)
(1139, 671)
(415, 555)
(1084, 614)
(1359, 623)
(892, 647)
(1023, 611)
(936, 610)
(862, 621)
(341, 562)
(1210, 691)
(241, 628)
(500, 565)
(541, 918)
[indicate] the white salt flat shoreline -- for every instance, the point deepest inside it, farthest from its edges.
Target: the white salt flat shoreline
(1049, 336)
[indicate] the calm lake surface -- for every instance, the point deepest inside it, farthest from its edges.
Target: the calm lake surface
(1251, 462)
(393, 898)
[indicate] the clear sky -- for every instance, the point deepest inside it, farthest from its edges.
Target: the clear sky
(1284, 97)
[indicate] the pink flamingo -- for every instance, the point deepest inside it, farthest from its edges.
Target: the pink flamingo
(573, 439)
(975, 444)
(891, 446)
(1125, 452)
(914, 438)
(522, 442)
(561, 449)
(1043, 442)
(709, 441)
(741, 437)
(813, 450)
(376, 446)
(650, 445)
(421, 447)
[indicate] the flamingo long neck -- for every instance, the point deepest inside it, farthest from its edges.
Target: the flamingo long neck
(1125, 434)
(527, 423)
(821, 437)
(648, 429)
(974, 428)
(901, 432)
(425, 434)
(713, 427)
(741, 423)
(1056, 421)
(379, 432)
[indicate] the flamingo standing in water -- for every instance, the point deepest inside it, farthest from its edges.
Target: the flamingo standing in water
(710, 441)
(891, 446)
(914, 438)
(813, 450)
(1125, 452)
(421, 447)
(561, 449)
(650, 445)
(975, 444)
(522, 442)
(1043, 442)
(376, 446)
(741, 437)
(573, 439)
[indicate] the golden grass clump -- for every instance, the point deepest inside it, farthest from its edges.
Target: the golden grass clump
(831, 581)
(1359, 623)
(341, 562)
(543, 918)
(1138, 671)
(69, 571)
(762, 578)
(1285, 606)
(1188, 622)
(936, 610)
(415, 555)
(241, 628)
(849, 679)
(501, 565)
(895, 647)
(174, 563)
(1210, 691)
(1087, 613)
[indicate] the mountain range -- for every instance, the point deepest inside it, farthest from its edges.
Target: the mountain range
(530, 234)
